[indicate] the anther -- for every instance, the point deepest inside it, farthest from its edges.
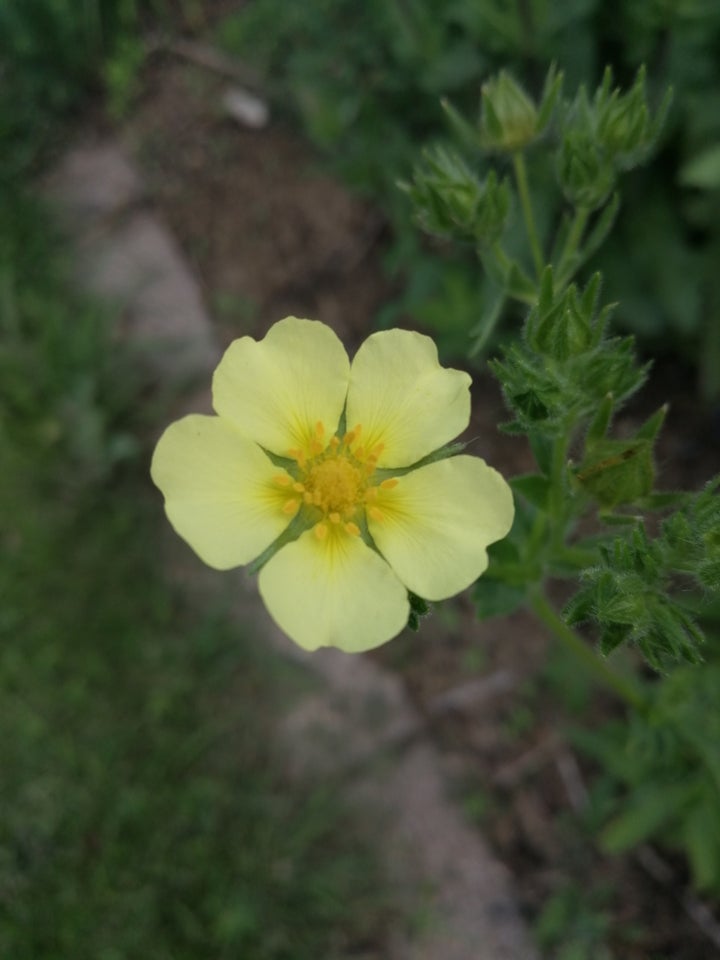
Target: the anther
(321, 531)
(283, 480)
(334, 517)
(319, 430)
(291, 507)
(389, 483)
(299, 487)
(352, 528)
(376, 514)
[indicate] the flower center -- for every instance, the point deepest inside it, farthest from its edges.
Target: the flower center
(335, 485)
(334, 480)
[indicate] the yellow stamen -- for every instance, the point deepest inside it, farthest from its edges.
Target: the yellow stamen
(334, 481)
(291, 507)
(283, 480)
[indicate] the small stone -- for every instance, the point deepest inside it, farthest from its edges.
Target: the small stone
(246, 108)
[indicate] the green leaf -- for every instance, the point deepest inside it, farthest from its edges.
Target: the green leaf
(646, 811)
(496, 599)
(701, 838)
(534, 487)
(703, 170)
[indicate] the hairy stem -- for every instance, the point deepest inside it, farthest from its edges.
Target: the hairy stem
(624, 688)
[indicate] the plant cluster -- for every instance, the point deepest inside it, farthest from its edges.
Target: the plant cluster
(645, 563)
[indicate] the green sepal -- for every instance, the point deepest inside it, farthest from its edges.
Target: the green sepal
(298, 525)
(419, 609)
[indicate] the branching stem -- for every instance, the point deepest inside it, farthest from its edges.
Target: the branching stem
(526, 204)
(572, 244)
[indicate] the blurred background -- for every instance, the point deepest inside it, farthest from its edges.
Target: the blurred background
(146, 807)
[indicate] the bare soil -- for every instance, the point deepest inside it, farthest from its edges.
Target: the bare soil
(271, 234)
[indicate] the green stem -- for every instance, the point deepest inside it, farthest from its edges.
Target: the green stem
(526, 204)
(558, 507)
(626, 689)
(574, 237)
(506, 265)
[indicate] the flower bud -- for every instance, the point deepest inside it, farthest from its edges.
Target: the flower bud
(623, 122)
(509, 118)
(586, 175)
(450, 200)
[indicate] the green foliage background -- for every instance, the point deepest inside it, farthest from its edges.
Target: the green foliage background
(366, 80)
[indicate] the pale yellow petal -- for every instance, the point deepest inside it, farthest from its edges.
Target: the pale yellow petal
(278, 389)
(404, 399)
(221, 492)
(333, 593)
(435, 525)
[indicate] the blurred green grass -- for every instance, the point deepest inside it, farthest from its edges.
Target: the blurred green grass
(144, 808)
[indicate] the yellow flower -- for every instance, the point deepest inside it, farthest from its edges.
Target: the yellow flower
(306, 443)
